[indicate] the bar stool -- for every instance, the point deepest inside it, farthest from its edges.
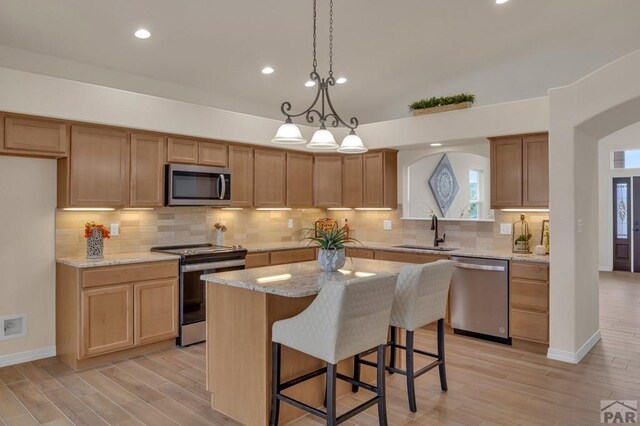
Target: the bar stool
(420, 299)
(343, 320)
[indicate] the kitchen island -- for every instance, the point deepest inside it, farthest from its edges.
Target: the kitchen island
(241, 308)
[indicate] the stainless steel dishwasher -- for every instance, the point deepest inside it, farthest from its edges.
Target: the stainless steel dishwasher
(480, 298)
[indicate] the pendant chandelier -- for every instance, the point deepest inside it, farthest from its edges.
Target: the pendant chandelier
(321, 109)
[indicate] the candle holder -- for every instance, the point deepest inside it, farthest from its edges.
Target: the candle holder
(521, 236)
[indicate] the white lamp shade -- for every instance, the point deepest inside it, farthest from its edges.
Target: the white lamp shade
(322, 139)
(288, 134)
(352, 144)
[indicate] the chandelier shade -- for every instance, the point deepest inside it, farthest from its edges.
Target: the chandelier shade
(352, 144)
(288, 134)
(322, 139)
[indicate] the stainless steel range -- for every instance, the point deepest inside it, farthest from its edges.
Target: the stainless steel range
(195, 261)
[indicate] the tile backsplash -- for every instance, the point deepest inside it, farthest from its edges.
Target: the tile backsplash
(141, 230)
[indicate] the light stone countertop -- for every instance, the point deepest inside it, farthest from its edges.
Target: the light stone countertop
(301, 279)
(486, 253)
(117, 259)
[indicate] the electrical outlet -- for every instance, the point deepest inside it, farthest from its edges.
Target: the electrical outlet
(505, 229)
(13, 326)
(579, 226)
(386, 225)
(290, 223)
(115, 230)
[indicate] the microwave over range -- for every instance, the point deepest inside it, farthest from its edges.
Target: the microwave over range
(188, 185)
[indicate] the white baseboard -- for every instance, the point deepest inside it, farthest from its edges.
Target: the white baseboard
(32, 355)
(575, 357)
(607, 268)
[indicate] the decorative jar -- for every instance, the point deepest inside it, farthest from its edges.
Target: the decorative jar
(95, 245)
(332, 260)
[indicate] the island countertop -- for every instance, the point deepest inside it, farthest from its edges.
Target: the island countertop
(301, 279)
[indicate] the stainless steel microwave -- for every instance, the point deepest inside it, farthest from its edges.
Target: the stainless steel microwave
(197, 185)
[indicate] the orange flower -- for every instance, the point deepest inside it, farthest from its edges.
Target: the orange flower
(89, 227)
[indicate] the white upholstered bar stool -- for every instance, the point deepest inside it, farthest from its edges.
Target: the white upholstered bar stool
(420, 299)
(342, 321)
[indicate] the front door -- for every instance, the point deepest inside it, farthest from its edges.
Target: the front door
(622, 224)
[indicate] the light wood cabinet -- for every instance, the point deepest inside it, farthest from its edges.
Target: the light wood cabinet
(520, 171)
(241, 165)
(156, 311)
(113, 312)
(99, 168)
(529, 302)
(380, 179)
(292, 256)
(352, 181)
(107, 320)
(257, 260)
(299, 180)
(147, 170)
(270, 178)
(183, 151)
(34, 136)
(327, 180)
(359, 253)
(213, 154)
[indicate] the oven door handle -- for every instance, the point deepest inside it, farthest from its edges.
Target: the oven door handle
(212, 265)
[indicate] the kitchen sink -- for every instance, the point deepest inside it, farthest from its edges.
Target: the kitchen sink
(431, 248)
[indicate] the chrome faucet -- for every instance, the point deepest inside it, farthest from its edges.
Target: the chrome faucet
(434, 227)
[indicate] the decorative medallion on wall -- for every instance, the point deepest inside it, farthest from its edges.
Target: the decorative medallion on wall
(444, 185)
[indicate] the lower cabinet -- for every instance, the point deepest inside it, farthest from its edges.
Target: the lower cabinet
(279, 257)
(118, 313)
(529, 306)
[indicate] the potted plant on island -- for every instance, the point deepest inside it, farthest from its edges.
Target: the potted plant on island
(442, 104)
(332, 254)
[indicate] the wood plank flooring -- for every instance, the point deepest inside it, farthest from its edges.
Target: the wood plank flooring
(488, 383)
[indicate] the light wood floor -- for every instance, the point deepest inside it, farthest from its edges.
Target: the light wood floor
(488, 383)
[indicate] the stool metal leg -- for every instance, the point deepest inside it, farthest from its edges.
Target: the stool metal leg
(380, 385)
(276, 359)
(332, 371)
(392, 355)
(441, 368)
(356, 372)
(411, 385)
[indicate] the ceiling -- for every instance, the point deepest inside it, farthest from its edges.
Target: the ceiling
(210, 52)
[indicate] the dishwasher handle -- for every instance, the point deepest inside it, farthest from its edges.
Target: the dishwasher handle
(480, 267)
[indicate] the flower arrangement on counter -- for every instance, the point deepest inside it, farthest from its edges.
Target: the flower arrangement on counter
(89, 227)
(220, 227)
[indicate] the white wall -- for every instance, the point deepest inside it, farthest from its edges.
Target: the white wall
(418, 199)
(27, 254)
(627, 138)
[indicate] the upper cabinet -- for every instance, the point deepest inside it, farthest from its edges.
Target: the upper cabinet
(380, 179)
(191, 151)
(241, 165)
(270, 178)
(352, 181)
(34, 136)
(98, 172)
(147, 170)
(327, 180)
(299, 180)
(520, 171)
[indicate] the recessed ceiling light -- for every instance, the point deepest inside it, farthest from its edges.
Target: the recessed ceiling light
(142, 33)
(436, 144)
(310, 83)
(267, 70)
(501, 1)
(341, 80)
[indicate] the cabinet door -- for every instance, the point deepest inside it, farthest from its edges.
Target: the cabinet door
(270, 178)
(156, 311)
(147, 170)
(327, 180)
(373, 186)
(99, 175)
(241, 165)
(106, 320)
(352, 174)
(212, 154)
(183, 151)
(35, 135)
(299, 180)
(506, 173)
(535, 171)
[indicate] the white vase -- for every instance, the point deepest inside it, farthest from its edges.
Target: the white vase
(219, 237)
(332, 260)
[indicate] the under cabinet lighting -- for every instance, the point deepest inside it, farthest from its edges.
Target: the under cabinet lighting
(273, 209)
(526, 210)
(232, 209)
(88, 209)
(340, 209)
(435, 144)
(137, 209)
(373, 209)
